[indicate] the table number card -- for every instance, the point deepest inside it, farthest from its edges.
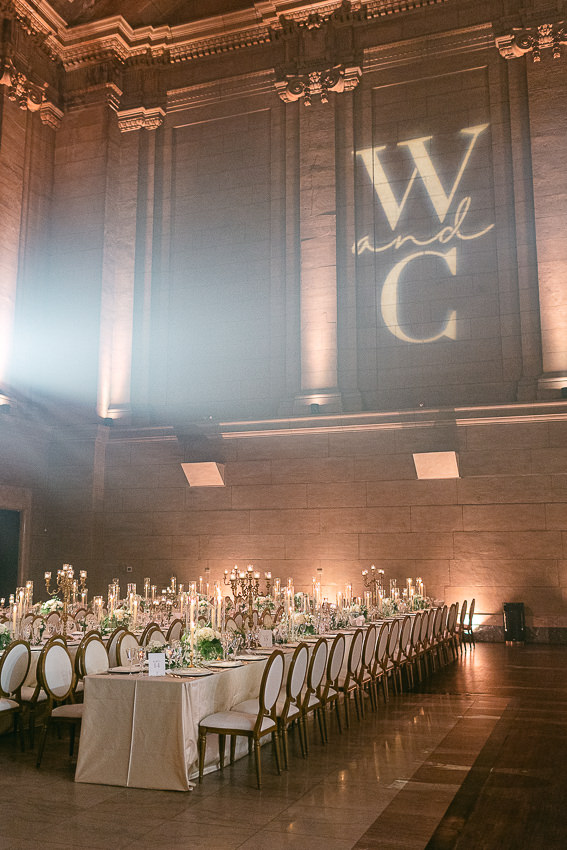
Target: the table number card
(156, 663)
(265, 637)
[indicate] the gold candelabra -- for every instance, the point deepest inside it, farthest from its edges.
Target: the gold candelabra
(247, 585)
(373, 581)
(65, 583)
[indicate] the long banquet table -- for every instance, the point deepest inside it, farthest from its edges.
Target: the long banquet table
(142, 732)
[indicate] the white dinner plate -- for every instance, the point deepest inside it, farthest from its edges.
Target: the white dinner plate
(222, 664)
(190, 672)
(248, 657)
(134, 669)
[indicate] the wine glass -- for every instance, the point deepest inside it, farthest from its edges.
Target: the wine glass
(131, 654)
(141, 655)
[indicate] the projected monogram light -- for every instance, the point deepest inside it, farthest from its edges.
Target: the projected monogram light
(450, 211)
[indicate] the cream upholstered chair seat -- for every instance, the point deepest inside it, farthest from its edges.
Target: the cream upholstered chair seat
(241, 720)
(28, 692)
(70, 710)
(8, 704)
(251, 706)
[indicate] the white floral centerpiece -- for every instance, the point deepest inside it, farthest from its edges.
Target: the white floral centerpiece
(119, 617)
(51, 605)
(5, 636)
(206, 641)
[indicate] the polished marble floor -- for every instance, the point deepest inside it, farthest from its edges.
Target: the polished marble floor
(475, 758)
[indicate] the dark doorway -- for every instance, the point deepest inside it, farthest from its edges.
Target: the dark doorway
(9, 549)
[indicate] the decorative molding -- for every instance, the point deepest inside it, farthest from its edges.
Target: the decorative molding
(50, 115)
(320, 53)
(21, 90)
(263, 22)
(140, 118)
(456, 42)
(104, 92)
(505, 414)
(539, 26)
(533, 40)
(318, 83)
(217, 91)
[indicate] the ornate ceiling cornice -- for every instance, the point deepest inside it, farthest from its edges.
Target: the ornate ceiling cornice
(262, 23)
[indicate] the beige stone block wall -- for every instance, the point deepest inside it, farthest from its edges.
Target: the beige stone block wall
(498, 538)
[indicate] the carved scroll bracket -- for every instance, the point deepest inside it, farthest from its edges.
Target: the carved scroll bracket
(320, 54)
(533, 39)
(318, 83)
(23, 92)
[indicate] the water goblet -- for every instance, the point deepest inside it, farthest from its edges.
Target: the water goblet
(141, 654)
(131, 653)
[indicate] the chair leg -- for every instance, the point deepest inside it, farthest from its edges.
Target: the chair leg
(232, 748)
(322, 720)
(202, 748)
(222, 741)
(346, 703)
(276, 746)
(301, 728)
(42, 744)
(258, 759)
(358, 704)
(283, 738)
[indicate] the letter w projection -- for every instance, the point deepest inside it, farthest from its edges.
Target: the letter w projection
(424, 168)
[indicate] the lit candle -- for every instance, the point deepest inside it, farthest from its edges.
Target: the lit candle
(339, 600)
(134, 613)
(154, 588)
(147, 583)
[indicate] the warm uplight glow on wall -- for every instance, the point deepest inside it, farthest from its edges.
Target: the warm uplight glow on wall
(319, 330)
(441, 246)
(6, 333)
(115, 357)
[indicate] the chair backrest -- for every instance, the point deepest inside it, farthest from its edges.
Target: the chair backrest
(112, 643)
(452, 618)
(471, 614)
(393, 637)
(278, 615)
(443, 621)
(155, 635)
(463, 613)
(94, 657)
(55, 671)
(80, 614)
(267, 619)
(270, 685)
(369, 648)
(317, 665)
(335, 662)
(14, 666)
(431, 623)
(355, 653)
(416, 629)
(238, 619)
(295, 679)
(382, 643)
(175, 631)
(143, 636)
(437, 622)
(54, 618)
(425, 615)
(230, 625)
(126, 641)
(405, 634)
